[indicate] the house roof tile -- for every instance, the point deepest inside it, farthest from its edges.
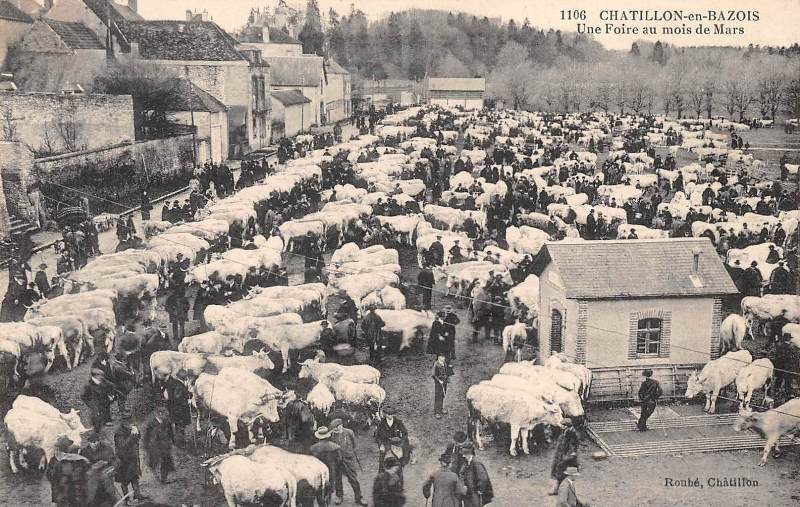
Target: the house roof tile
(475, 84)
(295, 70)
(190, 97)
(290, 97)
(636, 268)
(10, 12)
(75, 35)
(181, 40)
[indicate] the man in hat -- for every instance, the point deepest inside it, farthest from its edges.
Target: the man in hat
(387, 490)
(649, 393)
(476, 479)
(67, 472)
(391, 427)
(97, 394)
(346, 440)
(425, 281)
(448, 489)
(176, 393)
(371, 326)
(566, 454)
(567, 495)
(440, 376)
(454, 450)
(330, 454)
(437, 339)
(126, 444)
(327, 339)
(177, 306)
(157, 439)
(100, 487)
(41, 280)
(450, 321)
(436, 252)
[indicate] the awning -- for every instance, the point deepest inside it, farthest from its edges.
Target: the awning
(237, 117)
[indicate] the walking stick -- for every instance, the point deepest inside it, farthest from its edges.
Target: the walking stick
(122, 500)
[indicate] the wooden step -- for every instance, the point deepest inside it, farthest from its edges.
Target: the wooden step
(664, 422)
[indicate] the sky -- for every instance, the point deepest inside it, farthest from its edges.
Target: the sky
(778, 20)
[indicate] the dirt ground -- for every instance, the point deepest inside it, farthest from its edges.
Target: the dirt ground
(517, 481)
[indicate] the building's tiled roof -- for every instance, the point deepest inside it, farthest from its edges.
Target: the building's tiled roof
(190, 97)
(12, 13)
(472, 84)
(636, 268)
(295, 70)
(117, 12)
(335, 68)
(75, 35)
(290, 97)
(181, 40)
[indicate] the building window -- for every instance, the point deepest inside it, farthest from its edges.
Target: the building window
(648, 337)
(650, 332)
(556, 328)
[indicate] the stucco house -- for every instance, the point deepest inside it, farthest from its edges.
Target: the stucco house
(302, 73)
(292, 113)
(632, 304)
(14, 23)
(456, 91)
(338, 92)
(193, 105)
(204, 53)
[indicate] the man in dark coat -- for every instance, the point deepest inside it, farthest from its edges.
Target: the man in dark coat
(157, 440)
(371, 326)
(649, 393)
(437, 339)
(440, 376)
(331, 455)
(67, 473)
(126, 445)
(436, 252)
(97, 395)
(476, 480)
(448, 489)
(779, 280)
(426, 282)
(387, 490)
(177, 399)
(566, 454)
(177, 306)
(346, 440)
(454, 449)
(450, 320)
(753, 280)
(41, 280)
(388, 428)
(103, 463)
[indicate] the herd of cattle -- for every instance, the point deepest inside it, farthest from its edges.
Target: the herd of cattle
(284, 320)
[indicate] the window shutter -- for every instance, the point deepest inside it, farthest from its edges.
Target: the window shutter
(634, 328)
(666, 333)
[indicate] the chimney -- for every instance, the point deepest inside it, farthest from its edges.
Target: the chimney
(264, 33)
(696, 262)
(133, 5)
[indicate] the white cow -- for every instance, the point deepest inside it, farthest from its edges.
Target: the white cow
(715, 376)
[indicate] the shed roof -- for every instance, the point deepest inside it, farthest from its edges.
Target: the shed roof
(473, 84)
(116, 12)
(636, 268)
(290, 97)
(181, 40)
(75, 35)
(12, 13)
(335, 68)
(190, 97)
(295, 70)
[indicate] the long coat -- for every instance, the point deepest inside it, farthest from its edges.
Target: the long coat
(67, 476)
(437, 340)
(566, 454)
(158, 443)
(126, 445)
(479, 486)
(447, 489)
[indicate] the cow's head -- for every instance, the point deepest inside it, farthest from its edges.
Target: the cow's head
(73, 420)
(263, 356)
(694, 385)
(745, 420)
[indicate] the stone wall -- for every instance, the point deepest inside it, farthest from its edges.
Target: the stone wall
(113, 177)
(85, 121)
(16, 162)
(8, 159)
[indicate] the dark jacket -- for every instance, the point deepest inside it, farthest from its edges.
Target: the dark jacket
(478, 484)
(126, 445)
(67, 476)
(437, 340)
(649, 391)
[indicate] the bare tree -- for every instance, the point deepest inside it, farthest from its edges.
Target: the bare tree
(792, 98)
(601, 98)
(68, 130)
(9, 125)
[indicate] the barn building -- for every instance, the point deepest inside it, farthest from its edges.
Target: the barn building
(619, 307)
(456, 91)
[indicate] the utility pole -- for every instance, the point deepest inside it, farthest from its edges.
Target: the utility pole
(191, 116)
